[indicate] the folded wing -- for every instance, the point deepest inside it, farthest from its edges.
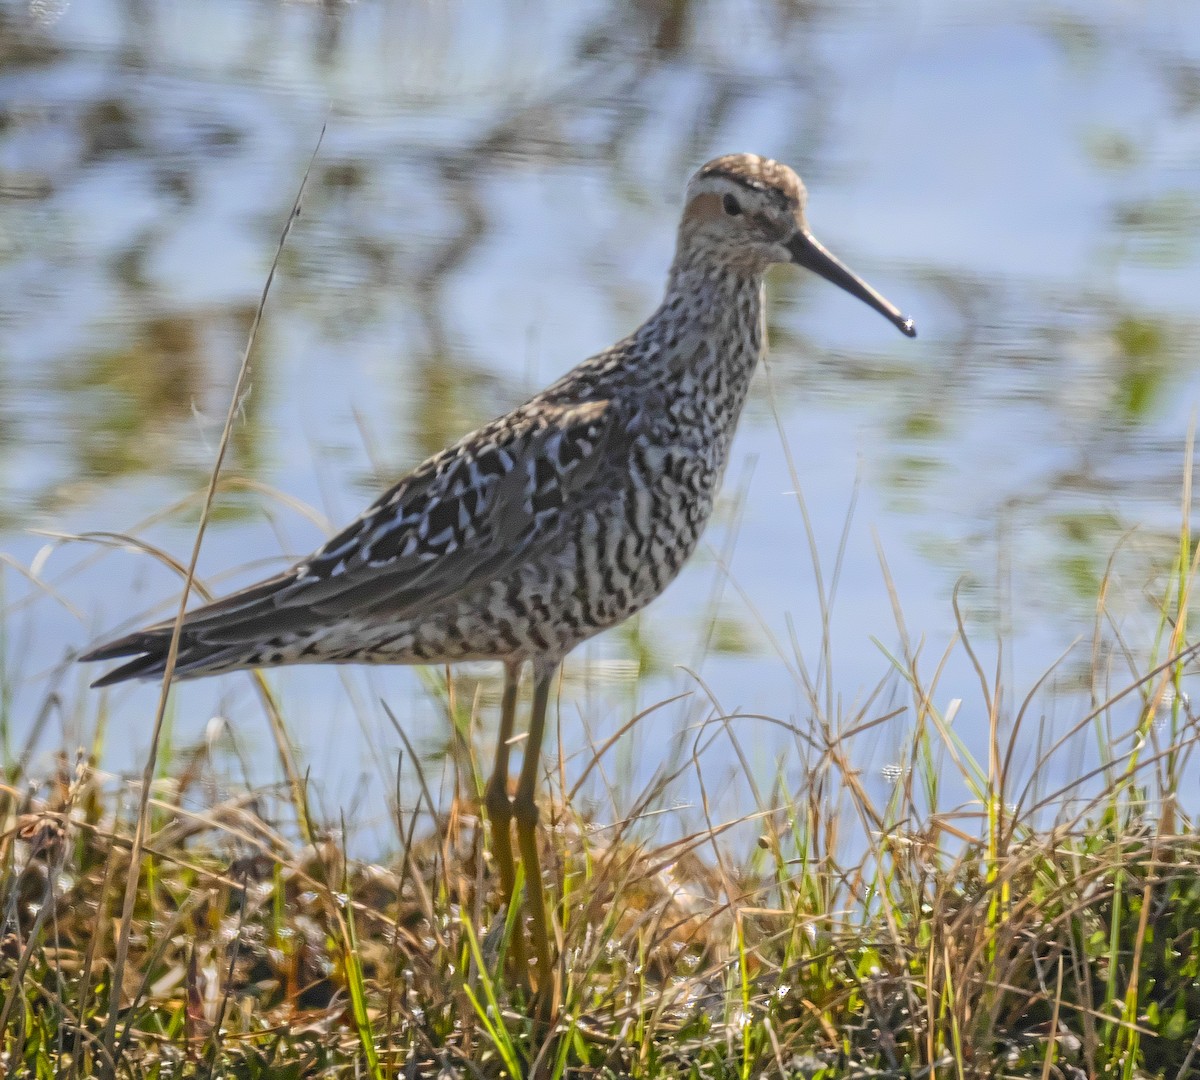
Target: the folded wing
(468, 516)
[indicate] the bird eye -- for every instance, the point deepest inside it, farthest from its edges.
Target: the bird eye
(732, 206)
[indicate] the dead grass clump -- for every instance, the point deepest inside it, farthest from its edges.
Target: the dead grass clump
(1077, 952)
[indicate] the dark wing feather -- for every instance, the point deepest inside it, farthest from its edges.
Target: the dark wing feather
(463, 518)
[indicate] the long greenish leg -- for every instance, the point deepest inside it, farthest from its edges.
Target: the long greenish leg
(526, 813)
(495, 797)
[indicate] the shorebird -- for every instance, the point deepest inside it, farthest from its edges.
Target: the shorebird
(550, 524)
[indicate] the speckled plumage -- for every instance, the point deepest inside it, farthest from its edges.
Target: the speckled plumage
(551, 523)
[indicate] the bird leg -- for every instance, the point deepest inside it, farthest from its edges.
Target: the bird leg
(499, 806)
(525, 812)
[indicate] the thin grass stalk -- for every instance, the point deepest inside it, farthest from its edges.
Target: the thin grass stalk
(216, 1035)
(496, 1029)
(356, 983)
(89, 958)
(1130, 1036)
(745, 1014)
(1188, 562)
(1052, 1041)
(152, 961)
(17, 989)
(287, 759)
(951, 1005)
(1169, 781)
(139, 834)
(999, 893)
(5, 686)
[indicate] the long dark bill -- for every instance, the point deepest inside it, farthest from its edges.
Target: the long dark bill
(808, 252)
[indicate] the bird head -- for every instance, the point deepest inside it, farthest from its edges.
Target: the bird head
(748, 212)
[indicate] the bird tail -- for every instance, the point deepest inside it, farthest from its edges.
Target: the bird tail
(209, 640)
(149, 650)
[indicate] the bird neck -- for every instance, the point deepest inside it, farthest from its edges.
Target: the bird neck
(696, 272)
(711, 314)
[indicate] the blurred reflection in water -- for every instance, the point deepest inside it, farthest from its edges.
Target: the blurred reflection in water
(495, 199)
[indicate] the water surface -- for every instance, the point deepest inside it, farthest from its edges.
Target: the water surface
(495, 198)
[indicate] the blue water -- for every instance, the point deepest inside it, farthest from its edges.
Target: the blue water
(495, 198)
